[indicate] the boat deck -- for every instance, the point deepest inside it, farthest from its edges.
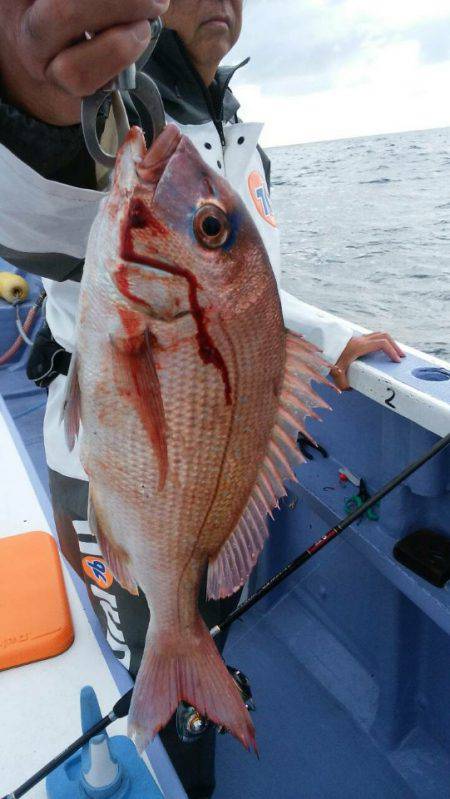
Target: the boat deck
(349, 659)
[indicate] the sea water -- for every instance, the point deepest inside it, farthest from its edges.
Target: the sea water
(365, 228)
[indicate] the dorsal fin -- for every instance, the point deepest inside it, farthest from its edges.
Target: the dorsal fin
(230, 568)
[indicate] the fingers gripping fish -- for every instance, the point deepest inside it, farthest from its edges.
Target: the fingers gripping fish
(191, 394)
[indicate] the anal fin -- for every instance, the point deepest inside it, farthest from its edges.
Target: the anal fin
(231, 566)
(115, 556)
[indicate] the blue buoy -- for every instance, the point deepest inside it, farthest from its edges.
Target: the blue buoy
(106, 768)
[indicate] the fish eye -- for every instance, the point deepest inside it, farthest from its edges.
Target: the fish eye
(211, 226)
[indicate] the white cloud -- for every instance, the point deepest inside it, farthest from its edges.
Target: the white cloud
(328, 69)
(395, 13)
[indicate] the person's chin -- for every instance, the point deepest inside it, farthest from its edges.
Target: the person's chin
(216, 30)
(218, 39)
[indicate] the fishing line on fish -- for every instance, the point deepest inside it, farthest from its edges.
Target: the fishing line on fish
(122, 706)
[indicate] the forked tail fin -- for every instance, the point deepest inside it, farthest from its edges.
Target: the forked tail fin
(185, 668)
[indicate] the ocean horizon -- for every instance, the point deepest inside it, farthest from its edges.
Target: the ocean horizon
(365, 231)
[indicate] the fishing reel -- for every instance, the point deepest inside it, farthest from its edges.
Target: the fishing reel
(191, 725)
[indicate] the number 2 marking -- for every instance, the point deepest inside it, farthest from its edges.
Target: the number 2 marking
(389, 400)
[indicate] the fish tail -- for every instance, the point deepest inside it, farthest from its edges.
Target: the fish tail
(186, 668)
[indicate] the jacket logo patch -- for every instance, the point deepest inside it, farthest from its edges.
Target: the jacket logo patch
(96, 570)
(261, 198)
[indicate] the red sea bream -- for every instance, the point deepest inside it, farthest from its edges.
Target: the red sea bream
(191, 393)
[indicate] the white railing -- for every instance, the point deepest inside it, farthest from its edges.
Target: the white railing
(417, 404)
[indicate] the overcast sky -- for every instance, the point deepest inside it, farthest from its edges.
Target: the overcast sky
(327, 69)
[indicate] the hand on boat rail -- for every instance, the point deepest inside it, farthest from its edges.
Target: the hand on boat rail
(357, 347)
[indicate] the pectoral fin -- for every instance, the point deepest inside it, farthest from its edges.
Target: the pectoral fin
(134, 356)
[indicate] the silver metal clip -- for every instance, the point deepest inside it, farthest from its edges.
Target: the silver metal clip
(138, 85)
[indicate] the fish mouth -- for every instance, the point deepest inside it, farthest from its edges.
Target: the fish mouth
(151, 168)
(143, 169)
(138, 165)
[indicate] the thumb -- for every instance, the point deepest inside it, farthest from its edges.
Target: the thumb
(339, 375)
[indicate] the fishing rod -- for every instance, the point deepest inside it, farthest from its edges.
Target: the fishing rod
(122, 706)
(330, 536)
(119, 711)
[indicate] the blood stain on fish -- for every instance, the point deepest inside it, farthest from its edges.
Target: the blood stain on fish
(140, 217)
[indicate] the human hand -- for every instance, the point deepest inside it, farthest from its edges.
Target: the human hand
(46, 63)
(362, 345)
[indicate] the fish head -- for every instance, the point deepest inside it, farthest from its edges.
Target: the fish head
(185, 236)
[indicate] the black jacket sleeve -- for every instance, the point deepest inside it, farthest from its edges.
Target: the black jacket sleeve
(56, 153)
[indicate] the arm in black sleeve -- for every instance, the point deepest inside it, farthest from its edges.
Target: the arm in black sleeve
(56, 153)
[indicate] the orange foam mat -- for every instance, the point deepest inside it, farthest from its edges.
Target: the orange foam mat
(35, 620)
